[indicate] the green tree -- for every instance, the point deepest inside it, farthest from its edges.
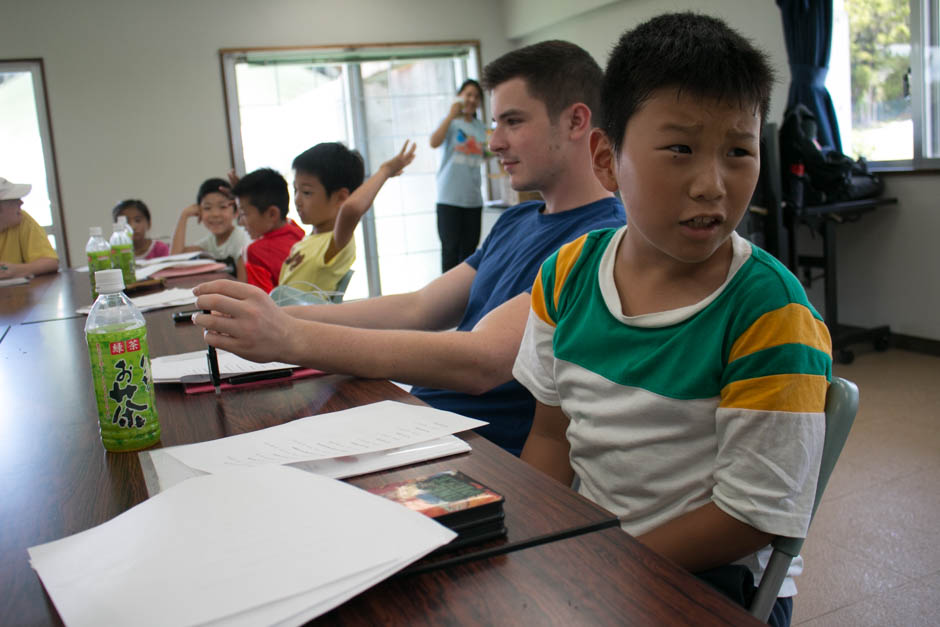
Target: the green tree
(880, 35)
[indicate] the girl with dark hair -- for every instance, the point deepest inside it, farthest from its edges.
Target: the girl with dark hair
(459, 200)
(138, 217)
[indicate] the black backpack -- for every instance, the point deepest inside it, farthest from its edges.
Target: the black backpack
(829, 176)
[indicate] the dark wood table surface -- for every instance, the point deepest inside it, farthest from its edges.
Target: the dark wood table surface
(56, 480)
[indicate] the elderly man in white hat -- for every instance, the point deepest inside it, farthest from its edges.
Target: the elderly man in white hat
(24, 247)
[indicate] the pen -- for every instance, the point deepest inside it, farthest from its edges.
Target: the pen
(185, 316)
(261, 376)
(213, 359)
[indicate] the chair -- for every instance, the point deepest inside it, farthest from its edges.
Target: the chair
(841, 405)
(337, 296)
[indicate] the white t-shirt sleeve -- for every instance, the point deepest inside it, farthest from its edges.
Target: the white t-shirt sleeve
(535, 362)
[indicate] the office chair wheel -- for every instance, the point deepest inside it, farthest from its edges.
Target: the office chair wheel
(845, 356)
(882, 343)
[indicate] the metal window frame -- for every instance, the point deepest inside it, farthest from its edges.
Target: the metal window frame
(41, 101)
(351, 57)
(924, 14)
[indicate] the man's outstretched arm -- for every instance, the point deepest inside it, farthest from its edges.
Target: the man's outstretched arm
(249, 324)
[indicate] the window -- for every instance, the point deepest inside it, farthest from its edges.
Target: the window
(27, 154)
(884, 79)
(281, 102)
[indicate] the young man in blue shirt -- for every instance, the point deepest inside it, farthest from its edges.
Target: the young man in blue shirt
(456, 338)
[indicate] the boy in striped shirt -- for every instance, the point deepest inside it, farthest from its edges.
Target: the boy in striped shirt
(679, 371)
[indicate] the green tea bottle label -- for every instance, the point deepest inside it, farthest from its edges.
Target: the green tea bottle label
(120, 368)
(98, 260)
(122, 256)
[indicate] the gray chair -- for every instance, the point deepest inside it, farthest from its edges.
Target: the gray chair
(841, 406)
(337, 296)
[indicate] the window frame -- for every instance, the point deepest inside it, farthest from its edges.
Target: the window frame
(228, 57)
(922, 14)
(36, 68)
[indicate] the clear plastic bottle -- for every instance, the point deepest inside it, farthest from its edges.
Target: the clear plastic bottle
(99, 255)
(122, 220)
(116, 333)
(122, 253)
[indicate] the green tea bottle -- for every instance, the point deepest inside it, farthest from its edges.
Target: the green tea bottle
(99, 255)
(122, 253)
(120, 368)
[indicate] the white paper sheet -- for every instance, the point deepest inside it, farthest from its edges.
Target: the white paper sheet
(366, 429)
(158, 300)
(143, 263)
(270, 544)
(147, 271)
(162, 470)
(170, 368)
(20, 280)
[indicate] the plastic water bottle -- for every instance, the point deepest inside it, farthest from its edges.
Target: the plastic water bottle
(99, 255)
(122, 220)
(116, 333)
(122, 253)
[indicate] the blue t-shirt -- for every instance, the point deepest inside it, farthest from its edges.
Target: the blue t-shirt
(506, 266)
(458, 179)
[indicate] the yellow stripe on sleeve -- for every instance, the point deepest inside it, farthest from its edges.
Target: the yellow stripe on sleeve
(793, 324)
(538, 300)
(803, 393)
(567, 256)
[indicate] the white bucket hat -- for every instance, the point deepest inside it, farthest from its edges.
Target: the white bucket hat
(13, 191)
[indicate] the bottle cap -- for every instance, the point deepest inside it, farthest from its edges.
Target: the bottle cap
(94, 230)
(109, 281)
(122, 220)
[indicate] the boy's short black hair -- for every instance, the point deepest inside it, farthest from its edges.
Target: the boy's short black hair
(127, 204)
(335, 165)
(264, 187)
(556, 72)
(693, 53)
(210, 186)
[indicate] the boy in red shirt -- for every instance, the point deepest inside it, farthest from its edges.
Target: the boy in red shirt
(262, 205)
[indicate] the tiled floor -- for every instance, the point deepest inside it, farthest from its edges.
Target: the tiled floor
(872, 557)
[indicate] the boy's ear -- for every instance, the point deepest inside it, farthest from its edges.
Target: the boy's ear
(273, 213)
(602, 156)
(339, 196)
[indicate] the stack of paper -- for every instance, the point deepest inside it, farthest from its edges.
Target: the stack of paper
(158, 300)
(201, 265)
(264, 545)
(17, 281)
(338, 444)
(171, 368)
(143, 263)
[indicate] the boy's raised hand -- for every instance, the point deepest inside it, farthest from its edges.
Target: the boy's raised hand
(193, 211)
(244, 320)
(396, 164)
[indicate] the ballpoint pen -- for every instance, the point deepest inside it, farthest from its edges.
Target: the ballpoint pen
(213, 359)
(185, 316)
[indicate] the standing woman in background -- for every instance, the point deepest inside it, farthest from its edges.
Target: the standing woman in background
(459, 201)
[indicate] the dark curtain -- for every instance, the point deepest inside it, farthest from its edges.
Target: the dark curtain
(807, 30)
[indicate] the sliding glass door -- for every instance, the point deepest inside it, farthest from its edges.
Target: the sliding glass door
(27, 151)
(281, 102)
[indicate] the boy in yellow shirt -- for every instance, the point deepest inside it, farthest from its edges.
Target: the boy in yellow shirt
(24, 247)
(328, 196)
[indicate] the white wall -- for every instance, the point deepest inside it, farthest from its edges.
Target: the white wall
(137, 106)
(135, 86)
(889, 261)
(598, 29)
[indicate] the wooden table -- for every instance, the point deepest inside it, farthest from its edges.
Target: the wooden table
(57, 480)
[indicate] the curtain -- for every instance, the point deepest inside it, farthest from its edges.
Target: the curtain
(807, 30)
